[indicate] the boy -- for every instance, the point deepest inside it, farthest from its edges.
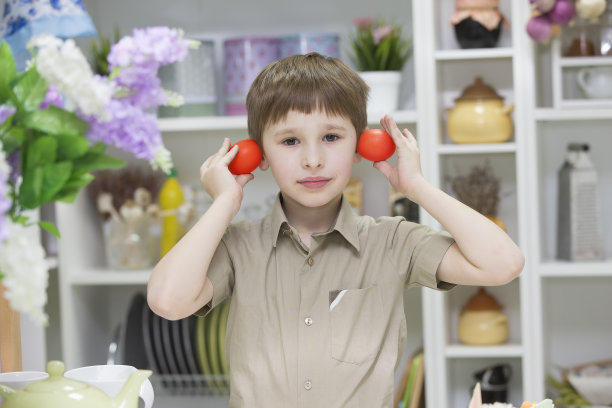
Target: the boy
(316, 315)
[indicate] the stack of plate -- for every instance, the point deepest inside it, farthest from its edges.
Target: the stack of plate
(187, 355)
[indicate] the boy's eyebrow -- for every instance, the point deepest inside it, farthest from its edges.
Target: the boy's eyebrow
(292, 130)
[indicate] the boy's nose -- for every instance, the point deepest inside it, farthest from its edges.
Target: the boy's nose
(312, 158)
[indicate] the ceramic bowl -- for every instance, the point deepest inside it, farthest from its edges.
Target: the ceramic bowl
(593, 382)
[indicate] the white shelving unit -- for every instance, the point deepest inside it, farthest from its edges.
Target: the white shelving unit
(445, 71)
(546, 330)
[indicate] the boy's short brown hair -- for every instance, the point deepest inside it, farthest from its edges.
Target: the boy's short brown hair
(305, 83)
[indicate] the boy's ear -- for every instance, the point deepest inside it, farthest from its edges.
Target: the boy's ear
(357, 158)
(263, 164)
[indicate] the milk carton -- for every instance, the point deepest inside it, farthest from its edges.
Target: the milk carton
(579, 234)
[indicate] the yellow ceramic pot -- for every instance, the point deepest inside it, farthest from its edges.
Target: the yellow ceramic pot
(482, 322)
(479, 116)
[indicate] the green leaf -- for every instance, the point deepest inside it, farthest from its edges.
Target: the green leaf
(40, 152)
(13, 139)
(30, 90)
(55, 120)
(97, 161)
(40, 184)
(30, 189)
(50, 228)
(7, 65)
(70, 147)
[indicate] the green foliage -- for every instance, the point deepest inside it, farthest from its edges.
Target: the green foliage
(100, 50)
(56, 158)
(371, 53)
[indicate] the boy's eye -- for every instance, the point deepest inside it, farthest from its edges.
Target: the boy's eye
(290, 141)
(330, 138)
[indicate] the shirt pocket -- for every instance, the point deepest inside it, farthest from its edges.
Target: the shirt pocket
(355, 319)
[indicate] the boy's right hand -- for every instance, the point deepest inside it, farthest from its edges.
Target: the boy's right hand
(216, 178)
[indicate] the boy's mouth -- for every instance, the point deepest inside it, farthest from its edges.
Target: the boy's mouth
(314, 182)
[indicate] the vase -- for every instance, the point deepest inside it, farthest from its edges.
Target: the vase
(384, 90)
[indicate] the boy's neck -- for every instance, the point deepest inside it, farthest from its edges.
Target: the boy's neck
(309, 220)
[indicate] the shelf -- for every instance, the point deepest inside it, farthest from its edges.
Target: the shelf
(503, 350)
(472, 54)
(195, 124)
(576, 269)
(553, 115)
(480, 148)
(585, 61)
(104, 277)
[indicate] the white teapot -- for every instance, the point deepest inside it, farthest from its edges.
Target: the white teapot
(596, 82)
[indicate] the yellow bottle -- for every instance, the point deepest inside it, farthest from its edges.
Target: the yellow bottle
(170, 199)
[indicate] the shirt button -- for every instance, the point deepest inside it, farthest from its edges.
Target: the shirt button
(310, 261)
(308, 321)
(307, 385)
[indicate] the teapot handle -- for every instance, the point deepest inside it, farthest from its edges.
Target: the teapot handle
(582, 78)
(146, 393)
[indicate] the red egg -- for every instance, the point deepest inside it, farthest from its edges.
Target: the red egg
(248, 157)
(375, 145)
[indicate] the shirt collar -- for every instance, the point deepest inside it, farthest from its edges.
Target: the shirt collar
(347, 222)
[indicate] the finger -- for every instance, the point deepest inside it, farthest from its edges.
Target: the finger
(230, 155)
(243, 179)
(224, 147)
(384, 167)
(409, 136)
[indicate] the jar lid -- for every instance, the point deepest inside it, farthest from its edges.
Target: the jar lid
(477, 91)
(482, 301)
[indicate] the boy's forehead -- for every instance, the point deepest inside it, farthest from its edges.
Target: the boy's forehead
(295, 117)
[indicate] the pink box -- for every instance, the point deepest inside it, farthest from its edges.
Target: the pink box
(244, 58)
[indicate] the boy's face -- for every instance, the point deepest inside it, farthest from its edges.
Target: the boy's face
(311, 156)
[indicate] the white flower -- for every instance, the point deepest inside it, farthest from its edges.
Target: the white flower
(63, 64)
(162, 160)
(22, 261)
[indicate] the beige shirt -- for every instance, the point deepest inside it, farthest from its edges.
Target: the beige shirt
(322, 326)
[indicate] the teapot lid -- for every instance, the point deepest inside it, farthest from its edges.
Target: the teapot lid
(56, 382)
(477, 91)
(482, 301)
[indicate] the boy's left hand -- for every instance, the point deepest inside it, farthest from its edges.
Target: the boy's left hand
(407, 175)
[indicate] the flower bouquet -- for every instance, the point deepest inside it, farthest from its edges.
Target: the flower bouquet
(379, 46)
(56, 120)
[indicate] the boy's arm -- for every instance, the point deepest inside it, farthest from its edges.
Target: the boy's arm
(179, 285)
(483, 254)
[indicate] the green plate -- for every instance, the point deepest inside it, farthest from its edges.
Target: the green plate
(201, 350)
(222, 332)
(212, 343)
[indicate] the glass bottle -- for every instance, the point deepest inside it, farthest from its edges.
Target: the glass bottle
(605, 30)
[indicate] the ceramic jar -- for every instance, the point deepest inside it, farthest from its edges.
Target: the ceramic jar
(478, 23)
(482, 321)
(479, 116)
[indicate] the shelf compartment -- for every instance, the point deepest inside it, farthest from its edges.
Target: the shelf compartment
(509, 350)
(508, 296)
(577, 327)
(552, 140)
(585, 61)
(461, 385)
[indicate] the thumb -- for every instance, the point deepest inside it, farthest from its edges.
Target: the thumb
(243, 179)
(385, 168)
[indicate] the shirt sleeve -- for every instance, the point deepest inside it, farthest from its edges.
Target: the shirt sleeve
(417, 250)
(221, 275)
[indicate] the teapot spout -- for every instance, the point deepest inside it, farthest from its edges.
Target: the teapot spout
(6, 391)
(128, 396)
